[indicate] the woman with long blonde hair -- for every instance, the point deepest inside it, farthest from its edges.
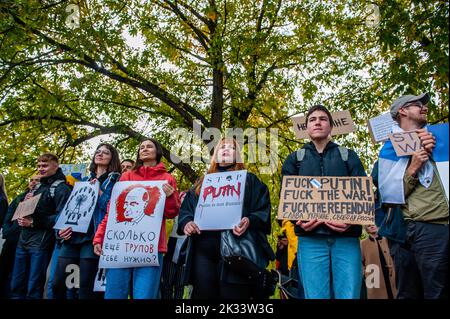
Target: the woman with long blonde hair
(209, 275)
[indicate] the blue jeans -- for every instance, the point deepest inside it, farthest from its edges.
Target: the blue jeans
(33, 262)
(71, 293)
(145, 282)
(330, 267)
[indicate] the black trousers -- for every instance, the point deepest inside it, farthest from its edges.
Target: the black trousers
(421, 263)
(88, 269)
(7, 258)
(206, 271)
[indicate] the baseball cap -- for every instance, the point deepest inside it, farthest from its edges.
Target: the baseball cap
(401, 101)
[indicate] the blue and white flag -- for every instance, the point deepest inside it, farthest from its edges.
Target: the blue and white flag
(391, 168)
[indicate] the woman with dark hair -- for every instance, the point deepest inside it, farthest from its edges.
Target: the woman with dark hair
(77, 247)
(145, 282)
(209, 275)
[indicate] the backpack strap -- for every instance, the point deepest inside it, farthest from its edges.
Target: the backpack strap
(344, 153)
(301, 154)
(53, 187)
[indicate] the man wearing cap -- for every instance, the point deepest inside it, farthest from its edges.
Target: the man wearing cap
(413, 183)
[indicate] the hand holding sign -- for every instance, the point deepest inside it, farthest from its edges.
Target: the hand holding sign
(309, 225)
(25, 221)
(26, 207)
(242, 227)
(427, 139)
(191, 228)
(417, 160)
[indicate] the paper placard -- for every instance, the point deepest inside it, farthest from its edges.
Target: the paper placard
(26, 208)
(221, 200)
(380, 127)
(77, 213)
(347, 200)
(342, 120)
(134, 225)
(100, 280)
(405, 143)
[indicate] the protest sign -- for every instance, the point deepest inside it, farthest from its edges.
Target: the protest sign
(75, 172)
(380, 127)
(80, 206)
(221, 200)
(405, 143)
(27, 207)
(347, 200)
(134, 225)
(342, 120)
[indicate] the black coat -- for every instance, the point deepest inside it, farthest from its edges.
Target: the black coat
(42, 235)
(256, 207)
(11, 229)
(329, 163)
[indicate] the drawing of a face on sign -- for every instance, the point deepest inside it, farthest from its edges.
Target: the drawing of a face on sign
(135, 202)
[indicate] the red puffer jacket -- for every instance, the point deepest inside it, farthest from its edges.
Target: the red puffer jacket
(171, 208)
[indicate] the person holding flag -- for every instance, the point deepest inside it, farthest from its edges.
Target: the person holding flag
(418, 185)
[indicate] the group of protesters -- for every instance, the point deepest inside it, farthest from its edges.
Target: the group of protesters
(408, 244)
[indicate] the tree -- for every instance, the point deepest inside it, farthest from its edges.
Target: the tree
(140, 68)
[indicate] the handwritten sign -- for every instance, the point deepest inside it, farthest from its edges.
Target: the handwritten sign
(134, 225)
(342, 124)
(27, 207)
(347, 200)
(221, 200)
(380, 127)
(79, 208)
(100, 280)
(405, 143)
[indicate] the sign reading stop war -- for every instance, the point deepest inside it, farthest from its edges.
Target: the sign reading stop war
(342, 124)
(347, 200)
(405, 143)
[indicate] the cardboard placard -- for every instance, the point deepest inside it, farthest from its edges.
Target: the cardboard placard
(405, 143)
(221, 200)
(77, 213)
(100, 280)
(342, 120)
(27, 207)
(380, 127)
(347, 200)
(134, 224)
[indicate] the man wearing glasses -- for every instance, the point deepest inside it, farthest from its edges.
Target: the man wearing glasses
(414, 184)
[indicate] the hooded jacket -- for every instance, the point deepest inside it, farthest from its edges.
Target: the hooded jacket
(328, 163)
(41, 235)
(171, 207)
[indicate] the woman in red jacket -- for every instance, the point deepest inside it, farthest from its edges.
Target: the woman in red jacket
(145, 284)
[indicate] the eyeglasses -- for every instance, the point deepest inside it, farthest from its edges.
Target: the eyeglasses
(419, 104)
(98, 152)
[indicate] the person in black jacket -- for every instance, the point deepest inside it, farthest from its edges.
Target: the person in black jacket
(209, 275)
(329, 256)
(11, 232)
(37, 237)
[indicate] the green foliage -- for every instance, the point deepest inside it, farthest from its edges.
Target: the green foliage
(144, 68)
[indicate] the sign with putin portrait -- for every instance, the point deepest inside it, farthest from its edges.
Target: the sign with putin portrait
(221, 200)
(134, 224)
